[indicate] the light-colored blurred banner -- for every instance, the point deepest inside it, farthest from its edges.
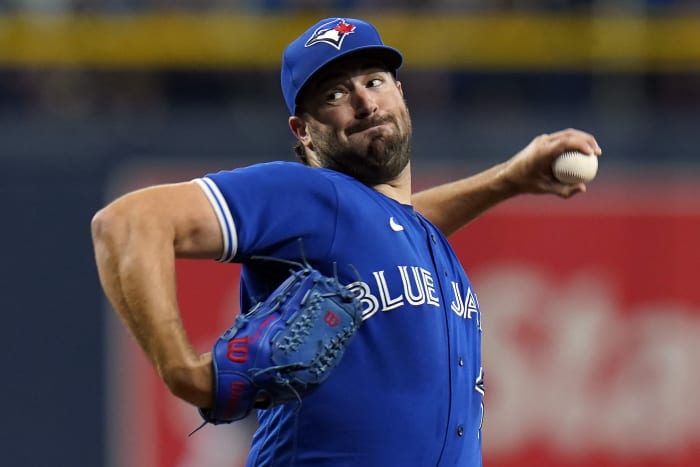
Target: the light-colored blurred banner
(538, 42)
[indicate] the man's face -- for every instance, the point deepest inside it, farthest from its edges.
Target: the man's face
(357, 121)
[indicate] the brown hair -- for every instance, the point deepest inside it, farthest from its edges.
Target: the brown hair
(300, 152)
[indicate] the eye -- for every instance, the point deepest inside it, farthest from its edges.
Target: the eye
(335, 95)
(374, 82)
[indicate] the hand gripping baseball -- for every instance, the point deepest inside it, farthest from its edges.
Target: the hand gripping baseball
(284, 347)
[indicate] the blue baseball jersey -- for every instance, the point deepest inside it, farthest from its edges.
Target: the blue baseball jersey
(409, 389)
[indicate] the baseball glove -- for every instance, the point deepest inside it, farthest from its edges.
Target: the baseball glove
(284, 347)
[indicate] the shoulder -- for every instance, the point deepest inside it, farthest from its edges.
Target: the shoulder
(284, 185)
(280, 172)
(304, 173)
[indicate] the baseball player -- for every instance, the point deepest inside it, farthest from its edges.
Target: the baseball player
(409, 389)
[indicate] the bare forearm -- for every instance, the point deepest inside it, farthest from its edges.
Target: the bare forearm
(136, 264)
(136, 280)
(453, 205)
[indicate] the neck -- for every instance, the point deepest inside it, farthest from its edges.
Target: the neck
(398, 189)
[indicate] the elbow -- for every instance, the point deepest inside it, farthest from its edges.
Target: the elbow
(109, 229)
(98, 225)
(103, 225)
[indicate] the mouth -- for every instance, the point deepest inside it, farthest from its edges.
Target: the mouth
(368, 126)
(379, 129)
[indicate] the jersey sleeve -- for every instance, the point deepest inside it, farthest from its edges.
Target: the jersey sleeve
(265, 209)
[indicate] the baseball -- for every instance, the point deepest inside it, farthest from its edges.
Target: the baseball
(575, 167)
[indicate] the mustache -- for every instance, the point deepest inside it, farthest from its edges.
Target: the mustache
(369, 123)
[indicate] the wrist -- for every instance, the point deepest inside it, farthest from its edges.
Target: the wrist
(504, 184)
(191, 380)
(187, 374)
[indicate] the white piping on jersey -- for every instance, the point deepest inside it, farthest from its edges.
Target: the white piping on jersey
(223, 214)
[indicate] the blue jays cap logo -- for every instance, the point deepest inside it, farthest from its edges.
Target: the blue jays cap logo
(333, 33)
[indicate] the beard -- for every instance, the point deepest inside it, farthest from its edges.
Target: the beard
(377, 158)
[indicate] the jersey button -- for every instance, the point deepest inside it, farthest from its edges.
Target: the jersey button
(460, 362)
(460, 430)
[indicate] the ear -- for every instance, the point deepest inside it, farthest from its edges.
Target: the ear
(400, 88)
(298, 127)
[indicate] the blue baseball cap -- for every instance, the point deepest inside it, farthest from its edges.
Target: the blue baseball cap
(326, 41)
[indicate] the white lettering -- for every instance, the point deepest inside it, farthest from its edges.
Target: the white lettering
(417, 298)
(473, 307)
(465, 307)
(607, 376)
(419, 290)
(369, 302)
(388, 303)
(457, 305)
(429, 288)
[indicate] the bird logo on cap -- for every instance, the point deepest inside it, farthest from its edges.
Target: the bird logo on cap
(332, 33)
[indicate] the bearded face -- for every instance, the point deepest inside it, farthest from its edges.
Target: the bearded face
(374, 150)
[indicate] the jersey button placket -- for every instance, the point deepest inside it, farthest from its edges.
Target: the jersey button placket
(460, 428)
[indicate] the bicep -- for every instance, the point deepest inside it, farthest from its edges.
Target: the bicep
(198, 234)
(182, 212)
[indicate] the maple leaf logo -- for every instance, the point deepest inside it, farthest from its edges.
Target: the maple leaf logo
(344, 28)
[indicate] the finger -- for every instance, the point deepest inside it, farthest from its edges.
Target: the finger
(565, 191)
(574, 140)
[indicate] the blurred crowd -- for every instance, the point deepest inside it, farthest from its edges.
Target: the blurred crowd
(84, 93)
(290, 5)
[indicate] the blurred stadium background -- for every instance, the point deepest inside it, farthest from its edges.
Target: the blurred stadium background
(591, 307)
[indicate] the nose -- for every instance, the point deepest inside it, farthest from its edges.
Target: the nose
(364, 102)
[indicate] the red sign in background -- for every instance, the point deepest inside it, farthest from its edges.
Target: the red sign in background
(591, 317)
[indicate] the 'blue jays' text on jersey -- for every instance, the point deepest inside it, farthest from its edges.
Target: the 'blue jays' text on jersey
(409, 389)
